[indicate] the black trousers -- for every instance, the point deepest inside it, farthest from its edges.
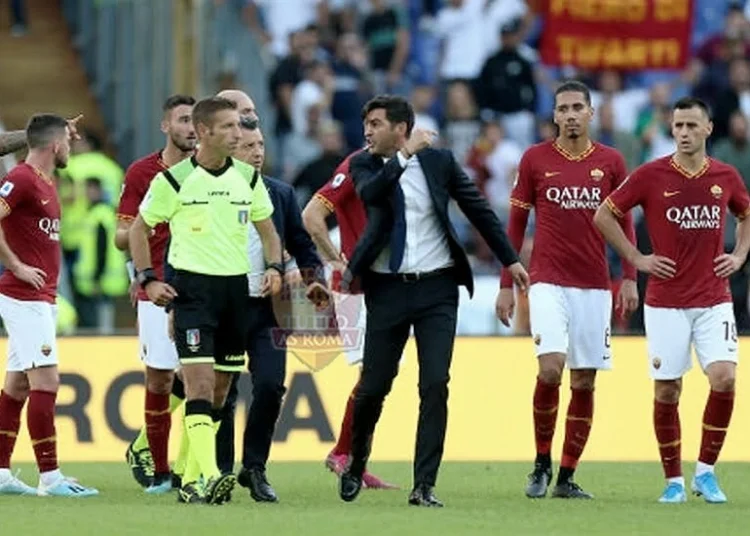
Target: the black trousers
(267, 365)
(394, 306)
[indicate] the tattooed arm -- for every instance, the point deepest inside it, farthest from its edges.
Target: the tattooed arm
(13, 141)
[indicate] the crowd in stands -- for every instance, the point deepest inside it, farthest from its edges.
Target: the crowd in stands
(472, 70)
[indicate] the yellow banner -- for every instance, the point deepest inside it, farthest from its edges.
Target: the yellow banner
(100, 405)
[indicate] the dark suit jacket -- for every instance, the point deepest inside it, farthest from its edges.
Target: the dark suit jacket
(294, 237)
(375, 183)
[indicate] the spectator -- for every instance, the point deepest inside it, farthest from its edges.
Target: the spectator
(502, 164)
(386, 31)
(735, 149)
(302, 148)
(547, 130)
(654, 128)
(423, 99)
(460, 26)
(507, 86)
(283, 19)
(735, 97)
(499, 13)
(316, 173)
(462, 124)
(352, 89)
(316, 89)
(625, 142)
(625, 102)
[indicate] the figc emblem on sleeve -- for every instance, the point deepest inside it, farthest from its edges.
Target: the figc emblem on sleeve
(338, 180)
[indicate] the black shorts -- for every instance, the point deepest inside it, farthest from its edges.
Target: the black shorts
(210, 319)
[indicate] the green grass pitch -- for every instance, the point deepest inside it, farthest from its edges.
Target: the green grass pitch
(481, 498)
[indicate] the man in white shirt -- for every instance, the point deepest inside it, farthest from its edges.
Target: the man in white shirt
(410, 263)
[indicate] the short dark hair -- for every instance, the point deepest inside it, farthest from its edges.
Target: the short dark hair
(686, 103)
(574, 86)
(173, 101)
(42, 129)
(205, 109)
(397, 110)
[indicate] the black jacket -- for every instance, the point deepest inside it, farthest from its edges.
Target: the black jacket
(375, 182)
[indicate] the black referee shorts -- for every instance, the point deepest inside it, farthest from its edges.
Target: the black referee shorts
(210, 319)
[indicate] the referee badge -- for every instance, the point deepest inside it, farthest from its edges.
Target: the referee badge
(242, 217)
(193, 339)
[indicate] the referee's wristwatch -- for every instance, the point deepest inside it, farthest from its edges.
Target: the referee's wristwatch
(144, 277)
(276, 266)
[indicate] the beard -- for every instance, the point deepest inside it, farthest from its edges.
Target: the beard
(185, 145)
(61, 162)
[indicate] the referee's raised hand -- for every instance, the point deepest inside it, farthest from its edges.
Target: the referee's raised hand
(160, 293)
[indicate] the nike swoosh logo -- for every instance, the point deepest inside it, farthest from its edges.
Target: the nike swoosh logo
(671, 194)
(45, 201)
(551, 173)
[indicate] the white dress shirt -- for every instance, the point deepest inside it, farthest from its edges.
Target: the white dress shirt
(426, 242)
(257, 262)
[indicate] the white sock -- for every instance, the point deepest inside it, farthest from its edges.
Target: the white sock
(50, 477)
(5, 474)
(702, 468)
(677, 480)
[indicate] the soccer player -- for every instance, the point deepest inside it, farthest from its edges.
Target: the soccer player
(147, 455)
(685, 198)
(338, 197)
(30, 252)
(209, 201)
(570, 300)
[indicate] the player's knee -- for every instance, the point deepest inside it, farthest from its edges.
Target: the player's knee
(159, 382)
(668, 391)
(583, 379)
(721, 376)
(17, 386)
(551, 368)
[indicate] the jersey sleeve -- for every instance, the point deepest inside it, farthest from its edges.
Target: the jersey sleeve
(133, 191)
(262, 207)
(628, 194)
(337, 190)
(739, 200)
(13, 192)
(523, 193)
(160, 202)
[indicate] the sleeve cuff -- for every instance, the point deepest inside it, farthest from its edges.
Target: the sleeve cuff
(401, 159)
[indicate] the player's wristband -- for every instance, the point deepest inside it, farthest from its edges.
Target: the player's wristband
(276, 266)
(131, 270)
(146, 276)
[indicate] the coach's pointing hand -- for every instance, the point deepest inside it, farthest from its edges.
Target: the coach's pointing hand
(662, 267)
(160, 293)
(505, 305)
(36, 277)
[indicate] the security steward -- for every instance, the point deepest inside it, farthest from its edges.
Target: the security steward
(209, 201)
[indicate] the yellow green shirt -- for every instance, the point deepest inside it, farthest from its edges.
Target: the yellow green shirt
(209, 212)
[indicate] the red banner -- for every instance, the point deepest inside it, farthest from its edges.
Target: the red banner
(617, 34)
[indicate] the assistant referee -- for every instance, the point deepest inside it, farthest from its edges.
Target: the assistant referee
(209, 201)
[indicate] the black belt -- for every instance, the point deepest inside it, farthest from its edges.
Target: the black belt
(412, 277)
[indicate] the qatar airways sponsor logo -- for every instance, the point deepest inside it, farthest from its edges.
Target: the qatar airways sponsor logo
(696, 216)
(50, 227)
(575, 197)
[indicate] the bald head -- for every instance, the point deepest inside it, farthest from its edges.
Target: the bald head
(245, 104)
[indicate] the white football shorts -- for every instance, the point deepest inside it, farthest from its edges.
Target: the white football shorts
(671, 332)
(157, 350)
(574, 322)
(31, 327)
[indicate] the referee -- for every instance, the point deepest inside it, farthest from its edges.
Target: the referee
(209, 201)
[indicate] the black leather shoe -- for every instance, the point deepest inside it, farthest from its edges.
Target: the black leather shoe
(349, 486)
(255, 480)
(422, 495)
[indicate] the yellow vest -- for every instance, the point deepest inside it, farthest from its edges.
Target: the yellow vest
(67, 317)
(114, 280)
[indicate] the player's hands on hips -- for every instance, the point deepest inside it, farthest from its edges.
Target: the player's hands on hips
(627, 298)
(726, 264)
(160, 293)
(271, 283)
(420, 139)
(36, 277)
(133, 292)
(318, 294)
(662, 267)
(505, 305)
(520, 276)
